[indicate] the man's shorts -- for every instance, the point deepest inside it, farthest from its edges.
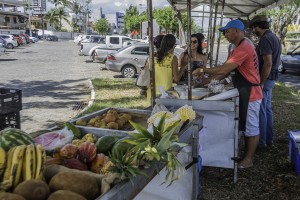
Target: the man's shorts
(252, 121)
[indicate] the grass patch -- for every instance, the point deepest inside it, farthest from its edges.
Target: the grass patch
(286, 109)
(116, 93)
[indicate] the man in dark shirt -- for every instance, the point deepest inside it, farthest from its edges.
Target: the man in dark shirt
(268, 51)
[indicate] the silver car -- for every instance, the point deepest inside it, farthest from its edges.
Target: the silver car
(129, 60)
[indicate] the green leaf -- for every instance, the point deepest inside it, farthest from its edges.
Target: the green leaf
(161, 123)
(141, 130)
(164, 143)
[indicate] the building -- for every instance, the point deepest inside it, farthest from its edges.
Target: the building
(13, 18)
(120, 25)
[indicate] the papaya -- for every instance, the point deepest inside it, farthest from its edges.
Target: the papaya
(106, 143)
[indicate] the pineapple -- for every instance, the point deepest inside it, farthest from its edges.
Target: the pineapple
(157, 115)
(186, 113)
(161, 145)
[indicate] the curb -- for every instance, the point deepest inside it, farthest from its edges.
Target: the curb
(91, 87)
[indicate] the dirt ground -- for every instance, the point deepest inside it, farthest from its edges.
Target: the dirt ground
(272, 176)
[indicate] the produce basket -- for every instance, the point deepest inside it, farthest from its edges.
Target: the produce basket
(138, 116)
(11, 120)
(10, 100)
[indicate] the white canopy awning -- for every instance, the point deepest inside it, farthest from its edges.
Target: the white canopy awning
(233, 8)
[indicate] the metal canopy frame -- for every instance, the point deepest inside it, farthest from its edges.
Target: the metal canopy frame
(232, 8)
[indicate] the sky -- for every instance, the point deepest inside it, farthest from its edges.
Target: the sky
(113, 6)
(110, 7)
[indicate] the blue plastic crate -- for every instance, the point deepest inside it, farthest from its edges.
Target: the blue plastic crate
(294, 149)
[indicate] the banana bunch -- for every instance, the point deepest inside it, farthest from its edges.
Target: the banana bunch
(2, 160)
(22, 163)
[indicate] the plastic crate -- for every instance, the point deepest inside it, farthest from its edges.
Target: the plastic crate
(10, 100)
(294, 149)
(11, 120)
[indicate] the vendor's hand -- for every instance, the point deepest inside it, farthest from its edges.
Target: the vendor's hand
(198, 72)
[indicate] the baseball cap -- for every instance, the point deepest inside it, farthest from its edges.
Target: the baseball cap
(233, 24)
(258, 18)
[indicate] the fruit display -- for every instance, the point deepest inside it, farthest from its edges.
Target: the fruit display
(85, 166)
(112, 119)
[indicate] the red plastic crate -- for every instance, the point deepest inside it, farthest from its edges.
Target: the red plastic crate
(10, 100)
(11, 120)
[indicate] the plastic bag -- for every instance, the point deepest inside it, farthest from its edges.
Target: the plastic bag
(54, 139)
(143, 80)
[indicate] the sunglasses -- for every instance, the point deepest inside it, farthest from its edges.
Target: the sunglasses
(194, 41)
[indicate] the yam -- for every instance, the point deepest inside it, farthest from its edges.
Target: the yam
(33, 190)
(76, 182)
(52, 170)
(10, 196)
(65, 195)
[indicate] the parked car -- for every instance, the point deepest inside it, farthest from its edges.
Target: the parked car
(130, 59)
(52, 38)
(291, 61)
(2, 48)
(11, 41)
(33, 39)
(3, 42)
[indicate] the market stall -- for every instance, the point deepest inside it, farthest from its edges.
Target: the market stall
(135, 189)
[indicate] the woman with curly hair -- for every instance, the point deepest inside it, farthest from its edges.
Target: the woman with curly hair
(165, 65)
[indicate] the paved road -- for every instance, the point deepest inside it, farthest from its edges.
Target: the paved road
(52, 77)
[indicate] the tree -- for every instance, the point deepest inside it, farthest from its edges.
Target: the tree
(102, 26)
(61, 14)
(132, 19)
(166, 18)
(52, 17)
(282, 16)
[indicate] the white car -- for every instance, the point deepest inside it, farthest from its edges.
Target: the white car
(33, 39)
(2, 50)
(11, 41)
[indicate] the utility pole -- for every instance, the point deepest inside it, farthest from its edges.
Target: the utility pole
(42, 17)
(29, 21)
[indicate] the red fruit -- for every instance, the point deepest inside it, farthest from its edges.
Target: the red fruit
(74, 163)
(87, 152)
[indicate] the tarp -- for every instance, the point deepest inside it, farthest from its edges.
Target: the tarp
(233, 8)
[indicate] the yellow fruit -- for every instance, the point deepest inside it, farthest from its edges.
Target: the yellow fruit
(186, 112)
(157, 115)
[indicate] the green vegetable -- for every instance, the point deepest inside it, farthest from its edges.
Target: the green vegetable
(74, 129)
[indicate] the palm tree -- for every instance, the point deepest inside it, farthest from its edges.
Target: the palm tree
(51, 16)
(60, 12)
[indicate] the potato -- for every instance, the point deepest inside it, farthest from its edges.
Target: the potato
(10, 196)
(76, 182)
(65, 195)
(33, 190)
